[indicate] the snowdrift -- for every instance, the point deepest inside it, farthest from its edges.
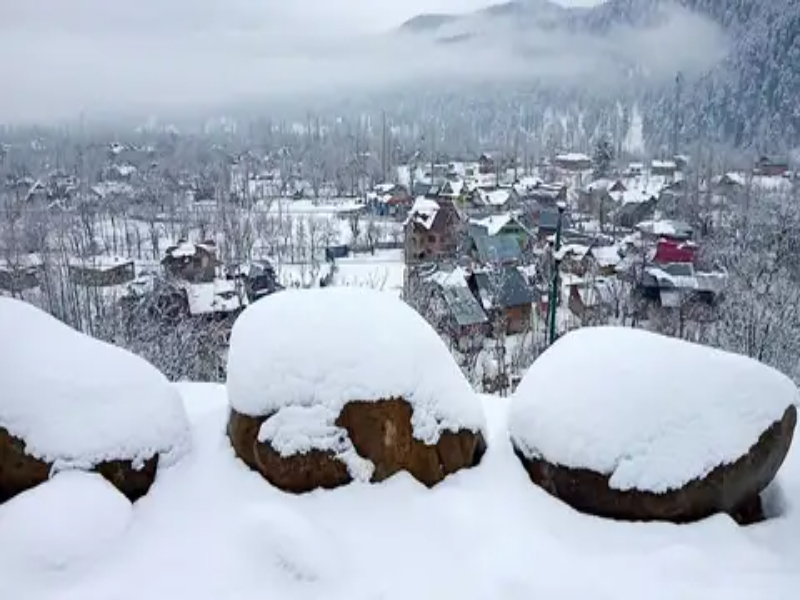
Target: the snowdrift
(213, 529)
(70, 401)
(334, 385)
(627, 424)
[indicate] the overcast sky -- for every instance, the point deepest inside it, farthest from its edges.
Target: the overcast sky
(62, 57)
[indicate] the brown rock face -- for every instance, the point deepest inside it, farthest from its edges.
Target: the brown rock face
(380, 432)
(300, 473)
(733, 489)
(20, 472)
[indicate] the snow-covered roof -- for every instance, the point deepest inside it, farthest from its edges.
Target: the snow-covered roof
(75, 399)
(577, 251)
(573, 157)
(301, 355)
(99, 262)
(111, 188)
(664, 164)
(494, 223)
(499, 197)
(423, 212)
(219, 296)
(607, 256)
(125, 170)
(184, 249)
(650, 411)
(457, 277)
(663, 227)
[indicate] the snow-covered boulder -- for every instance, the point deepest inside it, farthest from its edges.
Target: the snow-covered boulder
(339, 384)
(70, 401)
(626, 424)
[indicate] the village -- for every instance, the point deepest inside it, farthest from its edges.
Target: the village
(500, 257)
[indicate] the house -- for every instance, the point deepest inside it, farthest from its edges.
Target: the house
(505, 224)
(101, 271)
(676, 284)
(653, 230)
(631, 213)
(486, 163)
(431, 231)
(258, 278)
(544, 194)
(771, 166)
(606, 259)
(670, 251)
(196, 263)
(598, 197)
(545, 221)
(493, 250)
(500, 200)
(20, 274)
(452, 188)
(573, 161)
(665, 168)
(635, 169)
(506, 297)
(729, 183)
(390, 199)
(573, 258)
(466, 323)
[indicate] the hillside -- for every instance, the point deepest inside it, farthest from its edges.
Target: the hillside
(735, 57)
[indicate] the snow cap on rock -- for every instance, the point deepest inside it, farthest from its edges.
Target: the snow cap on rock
(327, 347)
(75, 400)
(651, 412)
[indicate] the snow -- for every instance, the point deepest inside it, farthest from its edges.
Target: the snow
(212, 529)
(183, 250)
(494, 223)
(652, 412)
(496, 198)
(218, 296)
(97, 515)
(99, 262)
(77, 401)
(607, 256)
(306, 353)
(573, 157)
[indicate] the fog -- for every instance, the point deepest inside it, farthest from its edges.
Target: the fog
(64, 57)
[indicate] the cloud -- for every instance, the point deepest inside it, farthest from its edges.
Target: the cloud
(68, 56)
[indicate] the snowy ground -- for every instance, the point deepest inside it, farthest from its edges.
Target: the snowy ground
(211, 529)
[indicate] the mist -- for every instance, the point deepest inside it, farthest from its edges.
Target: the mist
(83, 56)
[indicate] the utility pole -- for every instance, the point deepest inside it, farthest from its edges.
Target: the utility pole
(676, 123)
(433, 151)
(553, 301)
(384, 149)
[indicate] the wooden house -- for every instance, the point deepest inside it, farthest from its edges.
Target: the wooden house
(431, 231)
(101, 271)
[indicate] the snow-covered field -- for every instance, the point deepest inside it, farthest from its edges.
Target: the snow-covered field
(211, 529)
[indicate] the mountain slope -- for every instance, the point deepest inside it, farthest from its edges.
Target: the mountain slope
(742, 88)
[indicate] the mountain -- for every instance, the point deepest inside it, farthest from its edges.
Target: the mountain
(738, 59)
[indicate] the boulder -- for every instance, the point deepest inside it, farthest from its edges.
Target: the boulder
(732, 488)
(73, 402)
(333, 385)
(380, 432)
(20, 471)
(627, 424)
